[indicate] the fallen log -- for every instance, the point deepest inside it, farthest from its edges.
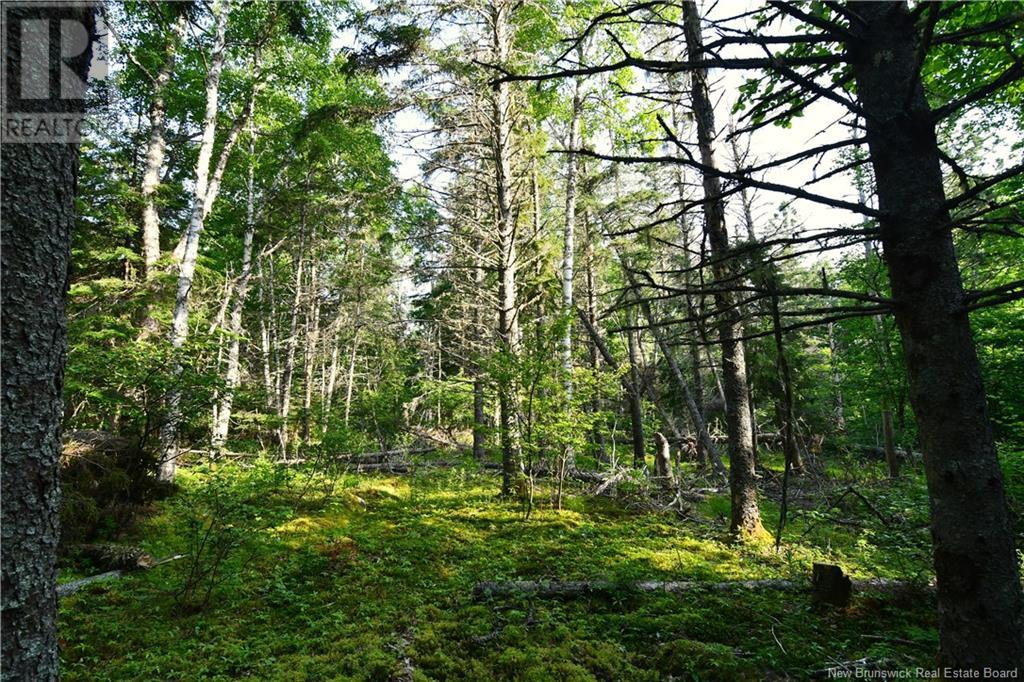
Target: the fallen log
(381, 456)
(610, 481)
(556, 589)
(581, 588)
(542, 470)
(75, 585)
(878, 453)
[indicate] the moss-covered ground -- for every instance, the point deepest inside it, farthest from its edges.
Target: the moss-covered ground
(370, 577)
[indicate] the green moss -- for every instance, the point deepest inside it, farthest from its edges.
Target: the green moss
(375, 582)
(698, 660)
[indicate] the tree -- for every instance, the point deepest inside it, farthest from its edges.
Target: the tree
(745, 516)
(975, 561)
(186, 269)
(981, 608)
(209, 175)
(39, 181)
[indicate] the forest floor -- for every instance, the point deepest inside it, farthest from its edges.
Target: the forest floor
(370, 577)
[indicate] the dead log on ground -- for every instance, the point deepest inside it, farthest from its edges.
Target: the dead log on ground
(75, 585)
(609, 481)
(581, 588)
(556, 589)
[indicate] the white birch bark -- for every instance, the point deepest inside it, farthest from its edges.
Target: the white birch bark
(232, 374)
(568, 258)
(186, 272)
(155, 148)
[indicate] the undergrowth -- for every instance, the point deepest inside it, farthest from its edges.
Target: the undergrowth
(370, 578)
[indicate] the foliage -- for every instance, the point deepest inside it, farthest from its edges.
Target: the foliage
(375, 581)
(218, 516)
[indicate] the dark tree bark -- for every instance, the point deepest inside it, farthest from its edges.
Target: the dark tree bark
(980, 604)
(636, 409)
(891, 458)
(590, 322)
(745, 516)
(37, 214)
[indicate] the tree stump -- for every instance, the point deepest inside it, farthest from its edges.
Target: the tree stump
(830, 586)
(662, 458)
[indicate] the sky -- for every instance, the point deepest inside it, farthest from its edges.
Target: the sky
(814, 128)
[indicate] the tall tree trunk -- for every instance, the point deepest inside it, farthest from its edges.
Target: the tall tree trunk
(568, 258)
(745, 517)
(332, 377)
(478, 332)
(636, 409)
(790, 454)
(37, 215)
(311, 341)
(350, 374)
(181, 250)
(292, 343)
(267, 340)
(980, 604)
(508, 325)
(232, 374)
(838, 410)
(186, 270)
(591, 323)
(745, 203)
(703, 457)
(155, 148)
(786, 416)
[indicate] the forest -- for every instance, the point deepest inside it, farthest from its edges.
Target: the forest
(512, 340)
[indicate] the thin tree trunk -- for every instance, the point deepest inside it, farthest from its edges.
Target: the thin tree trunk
(789, 449)
(745, 203)
(636, 410)
(311, 341)
(155, 148)
(591, 323)
(746, 517)
(332, 378)
(890, 445)
(838, 417)
(703, 457)
(976, 566)
(478, 332)
(350, 375)
(186, 271)
(508, 326)
(267, 309)
(285, 401)
(568, 259)
(213, 183)
(232, 374)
